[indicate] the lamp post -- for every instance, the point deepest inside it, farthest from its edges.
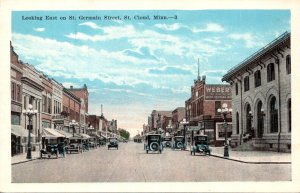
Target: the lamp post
(73, 124)
(184, 122)
(225, 111)
(30, 113)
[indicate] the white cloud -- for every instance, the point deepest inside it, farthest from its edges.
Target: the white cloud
(248, 38)
(91, 25)
(171, 27)
(39, 29)
(210, 27)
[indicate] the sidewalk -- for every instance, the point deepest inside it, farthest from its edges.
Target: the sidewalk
(254, 157)
(21, 158)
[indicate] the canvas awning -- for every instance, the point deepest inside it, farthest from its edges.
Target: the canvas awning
(18, 130)
(86, 136)
(66, 134)
(94, 135)
(51, 133)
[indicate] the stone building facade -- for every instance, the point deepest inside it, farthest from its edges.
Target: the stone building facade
(261, 97)
(57, 107)
(47, 102)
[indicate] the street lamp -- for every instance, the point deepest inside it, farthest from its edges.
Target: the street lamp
(225, 111)
(30, 113)
(184, 122)
(73, 124)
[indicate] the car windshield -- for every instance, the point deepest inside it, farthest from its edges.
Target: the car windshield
(153, 138)
(179, 139)
(167, 139)
(200, 138)
(113, 140)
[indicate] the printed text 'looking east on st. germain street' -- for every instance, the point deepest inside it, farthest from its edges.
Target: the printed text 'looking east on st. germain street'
(97, 17)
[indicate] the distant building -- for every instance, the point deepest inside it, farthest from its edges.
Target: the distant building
(178, 115)
(261, 96)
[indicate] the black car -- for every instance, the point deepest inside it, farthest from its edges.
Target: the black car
(200, 145)
(179, 143)
(49, 151)
(153, 142)
(167, 142)
(112, 142)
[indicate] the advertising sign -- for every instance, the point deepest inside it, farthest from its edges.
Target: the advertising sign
(217, 92)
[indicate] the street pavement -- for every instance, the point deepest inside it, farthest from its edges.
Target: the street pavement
(130, 163)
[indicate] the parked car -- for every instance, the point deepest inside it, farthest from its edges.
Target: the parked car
(200, 144)
(49, 151)
(167, 142)
(179, 143)
(113, 142)
(153, 142)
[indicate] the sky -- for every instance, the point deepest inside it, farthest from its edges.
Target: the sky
(132, 64)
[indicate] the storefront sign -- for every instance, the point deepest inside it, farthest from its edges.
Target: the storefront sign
(217, 92)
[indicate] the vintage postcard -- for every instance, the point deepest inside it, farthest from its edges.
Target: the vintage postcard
(127, 97)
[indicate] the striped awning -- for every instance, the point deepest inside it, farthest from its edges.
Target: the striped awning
(18, 130)
(66, 134)
(51, 133)
(86, 136)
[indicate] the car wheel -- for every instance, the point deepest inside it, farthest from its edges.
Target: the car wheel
(154, 146)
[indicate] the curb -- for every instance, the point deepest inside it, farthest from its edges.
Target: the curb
(24, 161)
(248, 162)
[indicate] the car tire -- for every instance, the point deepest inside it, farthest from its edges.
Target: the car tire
(152, 144)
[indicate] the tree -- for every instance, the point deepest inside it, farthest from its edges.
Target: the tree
(125, 134)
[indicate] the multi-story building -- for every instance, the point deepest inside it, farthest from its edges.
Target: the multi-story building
(113, 126)
(57, 107)
(164, 120)
(18, 132)
(71, 110)
(83, 94)
(261, 97)
(93, 123)
(202, 109)
(32, 94)
(178, 115)
(46, 102)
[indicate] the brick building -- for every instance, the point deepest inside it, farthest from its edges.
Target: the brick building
(71, 108)
(46, 102)
(202, 106)
(261, 96)
(18, 133)
(177, 116)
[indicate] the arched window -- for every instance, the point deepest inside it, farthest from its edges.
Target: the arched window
(260, 120)
(249, 119)
(289, 115)
(237, 123)
(257, 78)
(236, 88)
(271, 72)
(288, 64)
(273, 115)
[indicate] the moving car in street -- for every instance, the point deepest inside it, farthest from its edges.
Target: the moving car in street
(113, 142)
(179, 143)
(153, 142)
(200, 145)
(49, 151)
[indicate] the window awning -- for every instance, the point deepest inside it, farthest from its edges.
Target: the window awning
(66, 134)
(51, 133)
(18, 130)
(84, 135)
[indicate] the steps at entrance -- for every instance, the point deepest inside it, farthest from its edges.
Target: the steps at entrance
(246, 146)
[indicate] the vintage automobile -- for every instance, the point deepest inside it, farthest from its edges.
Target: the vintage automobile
(200, 145)
(167, 141)
(75, 145)
(153, 142)
(49, 151)
(113, 142)
(178, 143)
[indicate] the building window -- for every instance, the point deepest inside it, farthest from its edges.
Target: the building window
(289, 115)
(49, 106)
(217, 106)
(25, 102)
(288, 64)
(31, 98)
(236, 88)
(15, 118)
(201, 106)
(19, 93)
(257, 78)
(13, 91)
(237, 123)
(273, 115)
(249, 119)
(271, 72)
(246, 83)
(44, 101)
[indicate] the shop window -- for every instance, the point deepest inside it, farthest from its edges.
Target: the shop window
(246, 83)
(288, 64)
(271, 72)
(257, 78)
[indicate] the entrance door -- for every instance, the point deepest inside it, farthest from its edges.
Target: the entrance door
(260, 120)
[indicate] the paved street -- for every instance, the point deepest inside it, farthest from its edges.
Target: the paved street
(131, 164)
